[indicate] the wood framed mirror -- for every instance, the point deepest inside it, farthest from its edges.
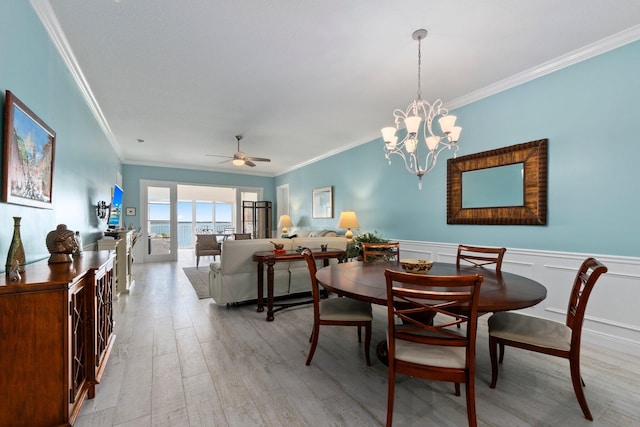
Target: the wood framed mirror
(529, 207)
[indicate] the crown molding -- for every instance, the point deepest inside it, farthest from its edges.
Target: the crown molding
(52, 26)
(614, 41)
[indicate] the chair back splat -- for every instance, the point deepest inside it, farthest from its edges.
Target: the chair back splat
(241, 236)
(380, 251)
(480, 256)
(427, 344)
(547, 336)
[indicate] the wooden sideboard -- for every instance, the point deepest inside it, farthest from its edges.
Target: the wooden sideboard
(56, 333)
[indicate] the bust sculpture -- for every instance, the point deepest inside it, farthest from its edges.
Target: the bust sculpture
(61, 243)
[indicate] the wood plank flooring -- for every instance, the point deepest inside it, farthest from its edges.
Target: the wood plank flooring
(181, 361)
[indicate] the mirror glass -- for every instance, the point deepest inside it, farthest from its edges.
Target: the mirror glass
(499, 186)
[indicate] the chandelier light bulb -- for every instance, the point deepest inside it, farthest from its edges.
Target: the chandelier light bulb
(411, 144)
(388, 133)
(432, 142)
(455, 133)
(447, 123)
(413, 124)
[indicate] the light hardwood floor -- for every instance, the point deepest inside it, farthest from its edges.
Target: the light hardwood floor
(180, 361)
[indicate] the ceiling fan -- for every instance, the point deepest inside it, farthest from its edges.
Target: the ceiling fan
(240, 158)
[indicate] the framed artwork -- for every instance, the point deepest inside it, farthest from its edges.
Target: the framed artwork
(29, 148)
(322, 202)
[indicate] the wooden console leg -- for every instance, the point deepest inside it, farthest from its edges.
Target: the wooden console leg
(260, 288)
(270, 291)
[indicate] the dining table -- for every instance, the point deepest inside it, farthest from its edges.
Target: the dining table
(500, 291)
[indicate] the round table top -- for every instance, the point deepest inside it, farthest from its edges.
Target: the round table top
(366, 282)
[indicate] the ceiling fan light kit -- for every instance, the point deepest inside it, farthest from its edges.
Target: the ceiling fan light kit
(240, 158)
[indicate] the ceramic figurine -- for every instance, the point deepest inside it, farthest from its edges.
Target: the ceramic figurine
(278, 246)
(14, 273)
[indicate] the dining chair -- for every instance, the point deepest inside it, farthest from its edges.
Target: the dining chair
(241, 236)
(547, 336)
(207, 245)
(380, 251)
(420, 347)
(336, 311)
(480, 256)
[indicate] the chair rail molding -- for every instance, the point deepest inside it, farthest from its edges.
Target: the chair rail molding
(610, 321)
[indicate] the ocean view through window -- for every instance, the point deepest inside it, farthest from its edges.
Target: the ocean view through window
(192, 215)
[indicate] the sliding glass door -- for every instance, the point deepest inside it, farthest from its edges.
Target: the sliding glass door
(159, 221)
(171, 214)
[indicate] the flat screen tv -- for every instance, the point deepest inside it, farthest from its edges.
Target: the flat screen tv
(115, 209)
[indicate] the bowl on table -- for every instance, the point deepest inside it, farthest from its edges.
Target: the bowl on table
(416, 266)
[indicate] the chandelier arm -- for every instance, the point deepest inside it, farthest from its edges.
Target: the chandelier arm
(410, 163)
(430, 161)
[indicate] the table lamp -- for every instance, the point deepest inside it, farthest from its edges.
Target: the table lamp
(284, 222)
(348, 220)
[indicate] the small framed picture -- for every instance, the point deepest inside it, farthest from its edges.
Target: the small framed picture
(130, 211)
(322, 202)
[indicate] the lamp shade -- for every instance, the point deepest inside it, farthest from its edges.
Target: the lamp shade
(413, 124)
(348, 219)
(285, 221)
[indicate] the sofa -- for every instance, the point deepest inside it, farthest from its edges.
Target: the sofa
(234, 278)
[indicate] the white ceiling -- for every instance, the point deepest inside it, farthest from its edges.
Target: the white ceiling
(303, 79)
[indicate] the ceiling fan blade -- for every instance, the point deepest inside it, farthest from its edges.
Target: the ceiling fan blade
(257, 159)
(225, 161)
(249, 163)
(217, 155)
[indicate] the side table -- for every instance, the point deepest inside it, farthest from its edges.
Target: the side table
(270, 258)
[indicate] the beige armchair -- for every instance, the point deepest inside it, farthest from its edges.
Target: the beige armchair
(207, 245)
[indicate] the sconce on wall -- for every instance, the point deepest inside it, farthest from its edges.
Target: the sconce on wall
(102, 211)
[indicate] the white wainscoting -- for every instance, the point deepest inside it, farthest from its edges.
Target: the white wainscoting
(613, 313)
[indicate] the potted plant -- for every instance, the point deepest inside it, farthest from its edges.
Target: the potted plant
(354, 250)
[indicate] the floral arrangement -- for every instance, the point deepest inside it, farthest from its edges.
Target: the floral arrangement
(354, 250)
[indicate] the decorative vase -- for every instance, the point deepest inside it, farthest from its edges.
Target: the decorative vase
(16, 250)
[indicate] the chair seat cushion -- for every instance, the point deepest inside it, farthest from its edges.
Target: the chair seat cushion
(344, 309)
(208, 252)
(530, 330)
(431, 355)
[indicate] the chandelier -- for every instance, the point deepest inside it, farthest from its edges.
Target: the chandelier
(418, 119)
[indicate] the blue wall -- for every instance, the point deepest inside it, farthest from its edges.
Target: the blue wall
(590, 114)
(132, 174)
(85, 163)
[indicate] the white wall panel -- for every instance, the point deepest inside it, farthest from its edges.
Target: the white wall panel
(612, 317)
